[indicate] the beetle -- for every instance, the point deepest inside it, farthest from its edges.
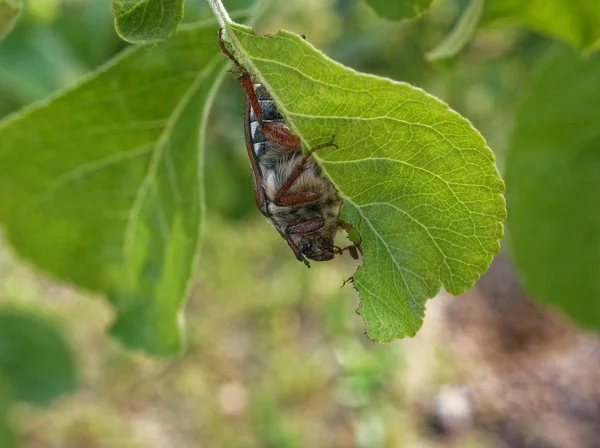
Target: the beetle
(289, 187)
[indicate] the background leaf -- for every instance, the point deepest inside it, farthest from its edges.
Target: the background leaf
(576, 22)
(418, 181)
(8, 437)
(100, 184)
(399, 9)
(147, 21)
(461, 33)
(9, 11)
(35, 360)
(552, 169)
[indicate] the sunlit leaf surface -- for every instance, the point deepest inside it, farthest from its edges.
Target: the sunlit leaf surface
(553, 170)
(100, 184)
(418, 180)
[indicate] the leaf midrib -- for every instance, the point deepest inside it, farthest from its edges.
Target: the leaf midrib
(161, 143)
(387, 248)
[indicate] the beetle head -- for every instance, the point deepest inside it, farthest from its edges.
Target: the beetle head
(318, 248)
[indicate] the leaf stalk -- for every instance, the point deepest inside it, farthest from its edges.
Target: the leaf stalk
(220, 12)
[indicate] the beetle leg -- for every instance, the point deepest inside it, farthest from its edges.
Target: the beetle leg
(276, 132)
(228, 53)
(280, 134)
(321, 146)
(244, 78)
(296, 198)
(349, 280)
(307, 226)
(299, 169)
(347, 226)
(294, 247)
(353, 250)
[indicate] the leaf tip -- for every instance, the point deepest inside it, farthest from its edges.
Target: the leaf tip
(145, 328)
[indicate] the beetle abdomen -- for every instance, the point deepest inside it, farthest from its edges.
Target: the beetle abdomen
(260, 143)
(277, 163)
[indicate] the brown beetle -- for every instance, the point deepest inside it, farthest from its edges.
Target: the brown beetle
(289, 188)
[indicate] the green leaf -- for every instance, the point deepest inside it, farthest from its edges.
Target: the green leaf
(9, 12)
(399, 9)
(552, 168)
(147, 21)
(576, 22)
(418, 180)
(35, 360)
(8, 438)
(100, 184)
(460, 35)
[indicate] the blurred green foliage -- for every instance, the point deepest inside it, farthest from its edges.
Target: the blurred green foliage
(460, 35)
(9, 12)
(553, 165)
(147, 21)
(276, 356)
(8, 438)
(36, 365)
(34, 358)
(399, 9)
(576, 22)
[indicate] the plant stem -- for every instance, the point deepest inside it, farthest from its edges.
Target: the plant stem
(220, 12)
(461, 33)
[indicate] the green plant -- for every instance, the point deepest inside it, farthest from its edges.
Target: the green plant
(123, 217)
(111, 198)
